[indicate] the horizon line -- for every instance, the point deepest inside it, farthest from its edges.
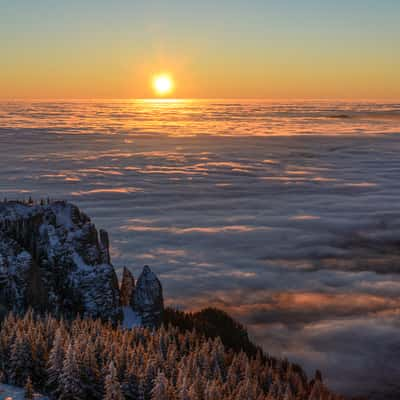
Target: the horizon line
(177, 99)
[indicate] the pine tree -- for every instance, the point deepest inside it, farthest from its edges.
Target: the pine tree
(183, 393)
(130, 385)
(40, 352)
(149, 377)
(160, 388)
(212, 392)
(55, 363)
(288, 394)
(90, 375)
(28, 389)
(21, 361)
(112, 387)
(70, 387)
(193, 395)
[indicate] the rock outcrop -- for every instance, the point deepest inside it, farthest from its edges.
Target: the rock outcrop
(127, 288)
(148, 299)
(144, 299)
(52, 259)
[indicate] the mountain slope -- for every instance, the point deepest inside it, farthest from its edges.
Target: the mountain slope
(88, 359)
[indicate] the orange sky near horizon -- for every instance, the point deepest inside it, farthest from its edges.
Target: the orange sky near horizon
(271, 51)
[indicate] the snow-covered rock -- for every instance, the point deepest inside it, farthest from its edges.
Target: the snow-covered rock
(143, 302)
(52, 258)
(148, 298)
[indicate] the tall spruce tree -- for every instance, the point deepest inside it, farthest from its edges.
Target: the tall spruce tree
(21, 360)
(70, 385)
(112, 387)
(160, 389)
(55, 363)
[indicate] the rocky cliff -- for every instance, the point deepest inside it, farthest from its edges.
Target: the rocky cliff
(52, 258)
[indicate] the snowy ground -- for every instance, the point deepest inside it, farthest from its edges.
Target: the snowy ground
(131, 318)
(15, 393)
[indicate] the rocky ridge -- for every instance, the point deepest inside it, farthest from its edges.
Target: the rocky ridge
(52, 258)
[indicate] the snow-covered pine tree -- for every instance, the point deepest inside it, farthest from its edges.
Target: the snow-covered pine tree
(55, 363)
(112, 387)
(90, 376)
(183, 391)
(193, 395)
(149, 378)
(160, 388)
(130, 384)
(212, 392)
(70, 385)
(21, 360)
(40, 354)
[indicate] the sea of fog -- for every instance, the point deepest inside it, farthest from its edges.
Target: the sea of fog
(287, 215)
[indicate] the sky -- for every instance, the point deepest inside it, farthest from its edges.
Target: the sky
(211, 48)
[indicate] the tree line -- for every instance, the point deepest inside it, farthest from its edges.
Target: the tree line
(90, 359)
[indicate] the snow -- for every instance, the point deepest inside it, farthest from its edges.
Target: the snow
(81, 265)
(63, 214)
(51, 234)
(15, 393)
(131, 318)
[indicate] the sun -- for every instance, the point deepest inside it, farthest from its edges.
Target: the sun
(163, 84)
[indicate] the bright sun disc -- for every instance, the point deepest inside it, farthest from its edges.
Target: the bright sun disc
(162, 85)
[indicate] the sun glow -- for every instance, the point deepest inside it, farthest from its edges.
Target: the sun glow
(162, 84)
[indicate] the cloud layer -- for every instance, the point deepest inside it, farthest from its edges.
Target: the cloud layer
(297, 236)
